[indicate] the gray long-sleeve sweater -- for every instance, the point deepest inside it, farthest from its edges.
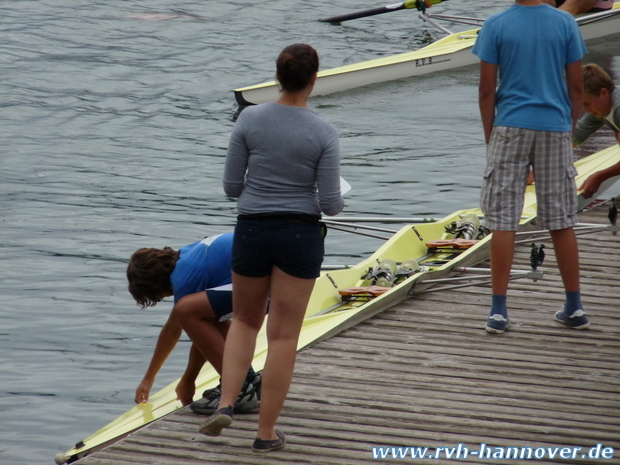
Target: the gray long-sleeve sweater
(283, 159)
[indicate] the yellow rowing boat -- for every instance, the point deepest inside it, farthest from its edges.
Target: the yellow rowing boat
(329, 312)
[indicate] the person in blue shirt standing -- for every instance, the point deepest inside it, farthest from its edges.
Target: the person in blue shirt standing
(199, 277)
(528, 123)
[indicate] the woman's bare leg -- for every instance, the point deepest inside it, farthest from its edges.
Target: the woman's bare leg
(287, 307)
(249, 306)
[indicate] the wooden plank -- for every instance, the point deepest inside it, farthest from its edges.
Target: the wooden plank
(425, 373)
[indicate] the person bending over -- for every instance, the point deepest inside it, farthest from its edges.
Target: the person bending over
(199, 277)
(601, 102)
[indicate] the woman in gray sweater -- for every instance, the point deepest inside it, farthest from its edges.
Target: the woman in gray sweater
(283, 165)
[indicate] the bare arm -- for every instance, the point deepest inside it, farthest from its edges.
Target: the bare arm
(574, 83)
(168, 338)
(594, 181)
(486, 97)
(575, 7)
(187, 384)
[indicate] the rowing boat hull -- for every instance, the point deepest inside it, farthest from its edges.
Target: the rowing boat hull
(451, 52)
(325, 316)
(319, 324)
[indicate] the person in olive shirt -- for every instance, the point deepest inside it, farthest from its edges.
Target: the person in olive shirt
(601, 102)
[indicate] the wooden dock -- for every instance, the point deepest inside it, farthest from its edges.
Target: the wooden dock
(425, 374)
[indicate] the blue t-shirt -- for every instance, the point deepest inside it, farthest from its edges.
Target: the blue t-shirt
(531, 46)
(202, 265)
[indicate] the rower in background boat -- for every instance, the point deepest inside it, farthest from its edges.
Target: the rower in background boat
(576, 7)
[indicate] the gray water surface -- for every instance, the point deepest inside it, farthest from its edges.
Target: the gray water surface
(114, 122)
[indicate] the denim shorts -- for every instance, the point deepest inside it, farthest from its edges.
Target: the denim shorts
(293, 243)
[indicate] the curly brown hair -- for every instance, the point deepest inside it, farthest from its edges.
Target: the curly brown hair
(149, 273)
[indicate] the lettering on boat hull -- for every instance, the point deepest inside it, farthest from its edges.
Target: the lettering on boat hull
(430, 61)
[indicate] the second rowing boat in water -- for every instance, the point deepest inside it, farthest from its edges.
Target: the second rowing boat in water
(450, 52)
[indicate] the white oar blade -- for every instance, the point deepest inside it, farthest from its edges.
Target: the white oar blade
(344, 186)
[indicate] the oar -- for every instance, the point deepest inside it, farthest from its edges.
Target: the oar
(385, 219)
(420, 5)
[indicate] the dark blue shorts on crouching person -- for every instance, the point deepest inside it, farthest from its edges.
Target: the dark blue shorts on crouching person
(292, 242)
(220, 299)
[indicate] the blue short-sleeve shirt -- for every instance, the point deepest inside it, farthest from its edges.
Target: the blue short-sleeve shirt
(531, 46)
(202, 265)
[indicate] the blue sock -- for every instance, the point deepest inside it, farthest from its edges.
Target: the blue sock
(573, 302)
(498, 305)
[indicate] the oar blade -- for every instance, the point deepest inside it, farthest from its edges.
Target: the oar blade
(364, 13)
(344, 186)
(420, 5)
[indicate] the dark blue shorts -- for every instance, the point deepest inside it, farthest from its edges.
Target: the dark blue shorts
(220, 299)
(293, 243)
